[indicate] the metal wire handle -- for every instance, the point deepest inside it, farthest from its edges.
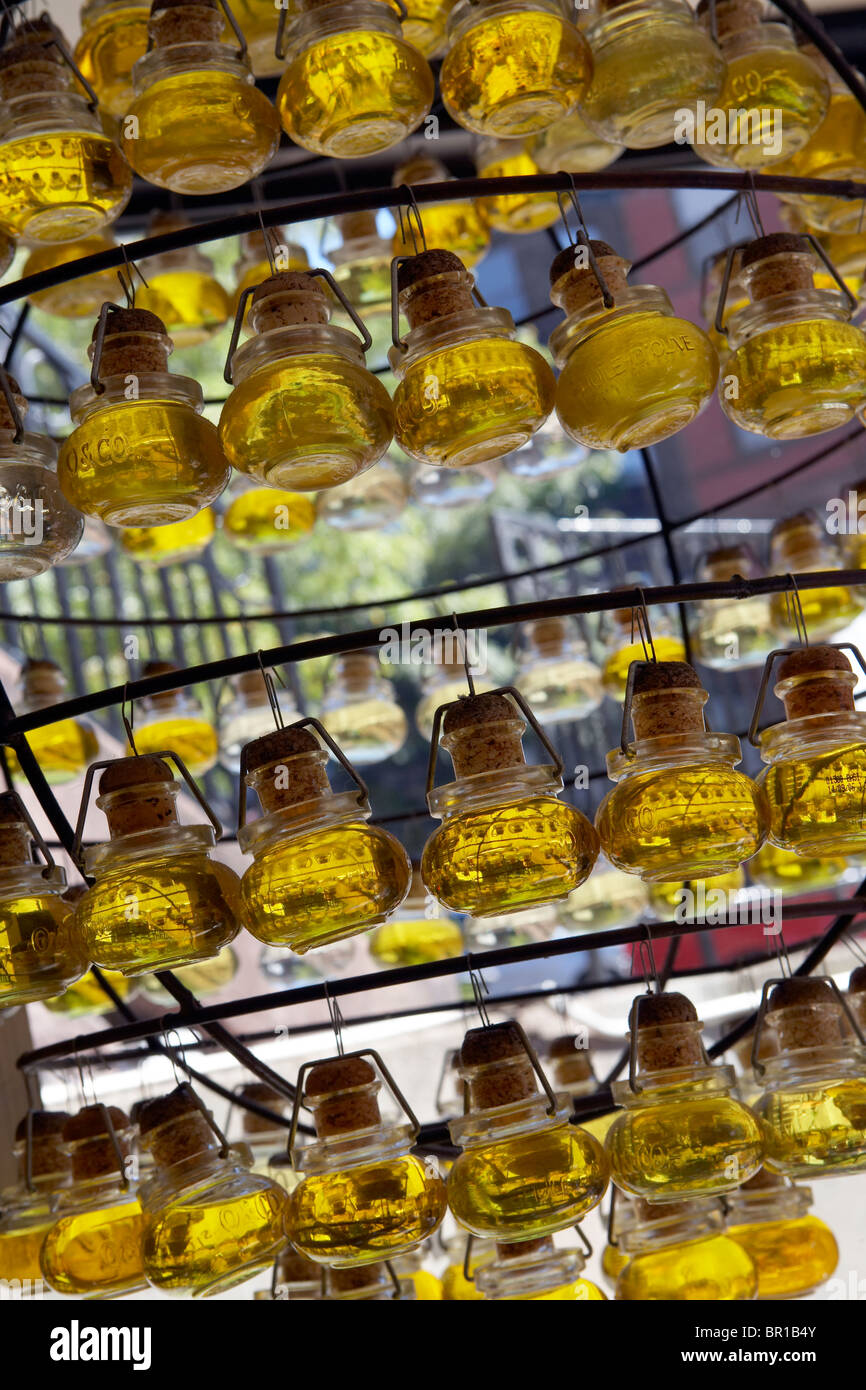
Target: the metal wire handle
(765, 680)
(318, 274)
(98, 343)
(511, 693)
(816, 246)
(400, 343)
(57, 41)
(308, 722)
(36, 834)
(757, 1065)
(167, 755)
(347, 1056)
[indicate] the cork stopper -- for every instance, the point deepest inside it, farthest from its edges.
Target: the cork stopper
(519, 1249)
(286, 767)
(573, 284)
(184, 21)
(7, 419)
(815, 680)
(805, 1013)
(47, 1155)
(355, 670)
(173, 1127)
(163, 699)
(727, 562)
(291, 297)
(777, 264)
(732, 16)
(30, 63)
(360, 1281)
(342, 1095)
(763, 1181)
(41, 680)
(857, 995)
(549, 636)
(295, 1268)
(15, 838)
(263, 1094)
(496, 1067)
(668, 698)
(93, 1153)
(645, 1211)
(483, 733)
(421, 168)
(433, 285)
(668, 1032)
(137, 793)
(357, 226)
(571, 1063)
(135, 342)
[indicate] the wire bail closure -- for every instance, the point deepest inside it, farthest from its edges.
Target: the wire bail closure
(167, 755)
(400, 343)
(512, 694)
(816, 246)
(386, 1075)
(753, 737)
(318, 728)
(38, 838)
(318, 274)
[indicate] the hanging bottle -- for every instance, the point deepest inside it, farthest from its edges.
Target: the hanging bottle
(525, 1171)
(181, 288)
(158, 900)
(305, 413)
(93, 1249)
(536, 1271)
(82, 297)
(802, 545)
(363, 1195)
(205, 977)
(197, 124)
(680, 809)
(420, 931)
(175, 544)
(209, 1222)
(737, 297)
(731, 634)
(360, 709)
(41, 951)
(452, 487)
(796, 365)
(680, 1252)
(247, 714)
(513, 212)
(793, 1252)
(626, 646)
(442, 684)
(263, 253)
(571, 145)
(266, 520)
(61, 176)
(506, 841)
(774, 95)
(674, 898)
(508, 928)
(140, 453)
(653, 68)
(570, 1066)
(550, 450)
(513, 67)
(631, 372)
(454, 225)
(38, 527)
(257, 20)
(362, 269)
(425, 24)
(370, 501)
(812, 1109)
(62, 749)
(468, 390)
(608, 899)
(554, 672)
(353, 84)
(264, 1141)
(795, 875)
(681, 1133)
(175, 719)
(28, 1210)
(113, 38)
(319, 872)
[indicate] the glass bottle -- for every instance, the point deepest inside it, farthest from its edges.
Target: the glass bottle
(524, 1171)
(113, 38)
(456, 1288)
(782, 871)
(93, 1249)
(571, 145)
(247, 714)
(631, 374)
(652, 67)
(681, 1253)
(87, 999)
(773, 97)
(570, 1066)
(680, 1133)
(796, 365)
(265, 520)
(425, 25)
(793, 1252)
(319, 872)
(158, 900)
(801, 545)
(182, 289)
(360, 709)
(203, 978)
(197, 124)
(731, 635)
(145, 459)
(96, 540)
(624, 649)
(695, 895)
(548, 452)
(261, 254)
(535, 1271)
(419, 932)
(363, 1195)
(362, 269)
(836, 150)
(456, 226)
(62, 749)
(513, 212)
(680, 809)
(38, 527)
(816, 774)
(175, 544)
(370, 501)
(506, 841)
(257, 20)
(502, 930)
(353, 85)
(27, 1210)
(812, 1109)
(305, 413)
(513, 67)
(61, 176)
(77, 299)
(468, 390)
(608, 899)
(451, 487)
(175, 719)
(554, 672)
(442, 684)
(209, 1222)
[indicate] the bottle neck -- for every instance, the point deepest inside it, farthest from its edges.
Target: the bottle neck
(165, 387)
(47, 113)
(187, 60)
(672, 751)
(451, 331)
(785, 311)
(498, 788)
(589, 318)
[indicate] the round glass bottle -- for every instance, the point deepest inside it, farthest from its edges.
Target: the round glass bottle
(363, 1195)
(525, 1171)
(633, 373)
(247, 714)
(625, 649)
(258, 23)
(682, 1253)
(198, 124)
(353, 85)
(62, 749)
(77, 299)
(681, 1133)
(570, 145)
(419, 932)
(535, 1271)
(468, 390)
(175, 544)
(513, 212)
(680, 809)
(360, 709)
(729, 636)
(265, 520)
(555, 674)
(456, 226)
(158, 900)
(795, 875)
(362, 269)
(836, 150)
(113, 38)
(794, 1253)
(513, 67)
(801, 545)
(425, 24)
(61, 177)
(319, 872)
(38, 527)
(28, 1210)
(451, 487)
(371, 501)
(506, 841)
(175, 719)
(305, 413)
(608, 899)
(182, 289)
